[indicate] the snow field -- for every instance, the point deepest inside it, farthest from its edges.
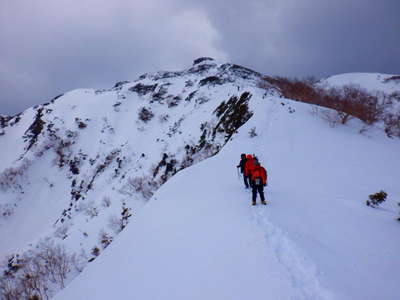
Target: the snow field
(199, 238)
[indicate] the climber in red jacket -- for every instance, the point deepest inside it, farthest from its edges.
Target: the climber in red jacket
(259, 180)
(249, 167)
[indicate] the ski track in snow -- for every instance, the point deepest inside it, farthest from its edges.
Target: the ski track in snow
(302, 271)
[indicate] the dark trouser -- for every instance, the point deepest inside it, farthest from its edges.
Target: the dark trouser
(246, 180)
(260, 189)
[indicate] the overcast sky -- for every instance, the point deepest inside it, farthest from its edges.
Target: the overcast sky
(48, 47)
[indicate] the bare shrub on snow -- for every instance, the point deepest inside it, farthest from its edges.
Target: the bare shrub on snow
(57, 262)
(105, 239)
(117, 224)
(392, 125)
(11, 177)
(91, 210)
(173, 101)
(252, 132)
(163, 118)
(144, 186)
(6, 210)
(39, 152)
(348, 101)
(398, 219)
(376, 199)
(38, 273)
(145, 114)
(95, 251)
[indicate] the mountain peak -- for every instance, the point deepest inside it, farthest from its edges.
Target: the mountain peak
(202, 59)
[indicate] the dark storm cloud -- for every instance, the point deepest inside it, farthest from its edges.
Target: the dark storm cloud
(48, 47)
(310, 37)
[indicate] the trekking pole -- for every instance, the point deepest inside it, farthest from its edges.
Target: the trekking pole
(238, 173)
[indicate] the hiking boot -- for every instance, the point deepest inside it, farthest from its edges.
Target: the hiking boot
(254, 202)
(264, 202)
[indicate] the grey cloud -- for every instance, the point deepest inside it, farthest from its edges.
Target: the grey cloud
(53, 48)
(49, 47)
(311, 37)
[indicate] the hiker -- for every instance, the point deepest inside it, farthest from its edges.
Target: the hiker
(248, 167)
(241, 166)
(259, 180)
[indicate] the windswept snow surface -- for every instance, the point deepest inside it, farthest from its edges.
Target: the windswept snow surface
(199, 237)
(370, 81)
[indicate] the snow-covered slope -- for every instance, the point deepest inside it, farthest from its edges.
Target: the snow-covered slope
(380, 91)
(199, 238)
(61, 159)
(76, 170)
(370, 81)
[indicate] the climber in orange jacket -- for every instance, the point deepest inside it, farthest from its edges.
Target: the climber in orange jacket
(259, 180)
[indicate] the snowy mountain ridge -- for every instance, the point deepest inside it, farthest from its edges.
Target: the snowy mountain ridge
(76, 170)
(75, 134)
